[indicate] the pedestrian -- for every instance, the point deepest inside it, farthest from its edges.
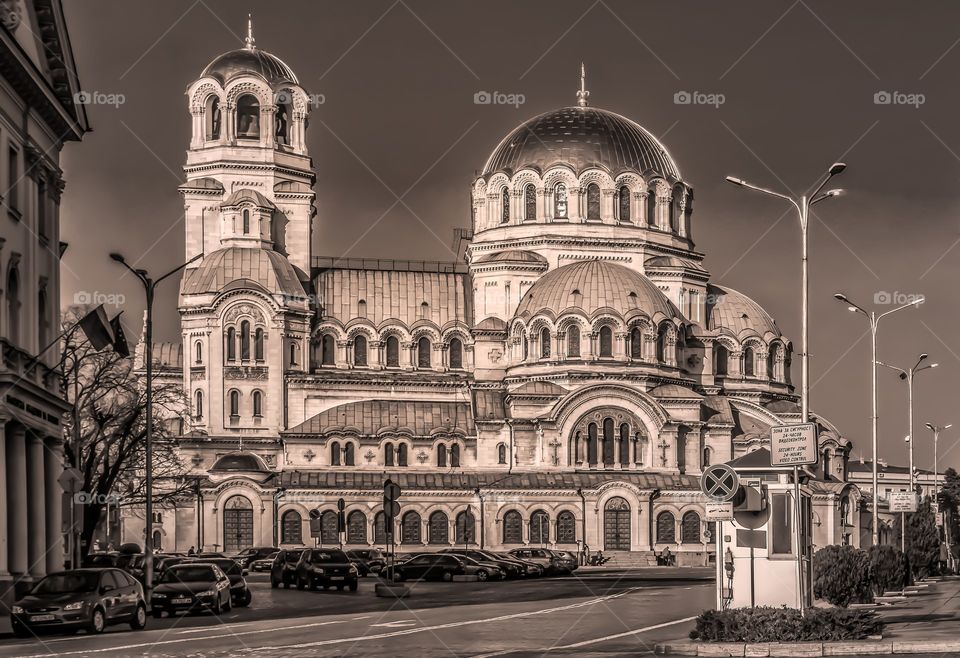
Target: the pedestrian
(666, 556)
(192, 551)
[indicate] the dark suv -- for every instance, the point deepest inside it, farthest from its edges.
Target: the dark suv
(244, 558)
(326, 567)
(284, 570)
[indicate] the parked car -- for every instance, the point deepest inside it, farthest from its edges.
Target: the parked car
(508, 568)
(532, 569)
(100, 560)
(284, 569)
(132, 563)
(90, 599)
(326, 567)
(240, 594)
(487, 570)
(247, 556)
(191, 586)
(368, 560)
(432, 566)
(552, 563)
(264, 564)
(161, 563)
(209, 554)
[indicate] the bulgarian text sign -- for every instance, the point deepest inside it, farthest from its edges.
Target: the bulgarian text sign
(793, 445)
(719, 512)
(903, 501)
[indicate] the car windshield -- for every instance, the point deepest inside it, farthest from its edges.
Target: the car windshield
(359, 555)
(227, 566)
(189, 574)
(63, 583)
(293, 556)
(329, 556)
(272, 556)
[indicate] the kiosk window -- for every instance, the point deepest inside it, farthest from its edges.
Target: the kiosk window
(781, 525)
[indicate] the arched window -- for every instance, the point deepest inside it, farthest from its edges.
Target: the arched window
(455, 456)
(410, 528)
(359, 351)
(257, 404)
(530, 202)
(593, 201)
(198, 404)
(327, 350)
(336, 454)
(43, 317)
(362, 309)
(456, 353)
(524, 346)
(329, 529)
(388, 454)
(826, 464)
(624, 445)
(234, 404)
(501, 453)
(198, 352)
(438, 529)
(662, 344)
(770, 361)
(690, 528)
(282, 125)
(512, 527)
(606, 341)
(246, 221)
(720, 358)
(248, 117)
(244, 341)
(348, 454)
(423, 352)
(573, 341)
(258, 344)
(636, 343)
(544, 343)
(393, 352)
(666, 528)
(672, 213)
(379, 528)
(504, 205)
(749, 359)
(539, 527)
(291, 528)
(676, 209)
(608, 441)
(706, 458)
(401, 454)
(214, 118)
(623, 199)
(441, 455)
(592, 438)
(424, 310)
(560, 201)
(566, 528)
(465, 529)
(231, 344)
(652, 205)
(357, 527)
(294, 350)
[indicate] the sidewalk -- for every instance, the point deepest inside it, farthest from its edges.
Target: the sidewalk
(931, 615)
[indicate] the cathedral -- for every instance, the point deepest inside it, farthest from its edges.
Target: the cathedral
(563, 383)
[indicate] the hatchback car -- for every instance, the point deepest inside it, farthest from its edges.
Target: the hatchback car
(240, 594)
(284, 569)
(264, 564)
(191, 586)
(327, 568)
(432, 566)
(90, 599)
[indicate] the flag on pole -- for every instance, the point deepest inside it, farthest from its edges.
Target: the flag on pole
(96, 327)
(120, 345)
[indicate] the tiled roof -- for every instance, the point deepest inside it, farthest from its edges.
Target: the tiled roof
(674, 391)
(246, 194)
(732, 310)
(659, 262)
(539, 388)
(373, 417)
(491, 324)
(493, 481)
(263, 268)
(857, 466)
(168, 355)
(514, 256)
(249, 60)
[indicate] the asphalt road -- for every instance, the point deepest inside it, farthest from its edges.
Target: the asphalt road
(596, 612)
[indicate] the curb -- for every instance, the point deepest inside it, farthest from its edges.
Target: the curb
(803, 649)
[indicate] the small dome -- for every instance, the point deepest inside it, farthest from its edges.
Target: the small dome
(582, 137)
(262, 269)
(240, 461)
(513, 256)
(246, 61)
(734, 311)
(592, 285)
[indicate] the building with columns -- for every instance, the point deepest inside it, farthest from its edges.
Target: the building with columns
(563, 385)
(38, 114)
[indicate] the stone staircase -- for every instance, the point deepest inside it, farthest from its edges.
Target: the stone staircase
(629, 559)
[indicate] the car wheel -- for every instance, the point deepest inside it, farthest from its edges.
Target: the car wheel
(246, 600)
(228, 606)
(353, 587)
(218, 606)
(157, 613)
(339, 588)
(139, 620)
(301, 583)
(274, 584)
(482, 575)
(98, 621)
(447, 576)
(20, 631)
(286, 584)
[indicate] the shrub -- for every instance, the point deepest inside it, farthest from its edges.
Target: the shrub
(887, 569)
(923, 542)
(785, 625)
(841, 575)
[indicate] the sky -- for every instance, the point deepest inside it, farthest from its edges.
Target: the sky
(778, 90)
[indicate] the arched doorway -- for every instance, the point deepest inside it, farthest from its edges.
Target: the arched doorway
(616, 525)
(237, 525)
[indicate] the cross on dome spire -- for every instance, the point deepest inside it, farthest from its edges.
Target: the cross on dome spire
(250, 41)
(583, 94)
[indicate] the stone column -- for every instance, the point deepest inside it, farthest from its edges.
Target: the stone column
(17, 499)
(36, 507)
(53, 465)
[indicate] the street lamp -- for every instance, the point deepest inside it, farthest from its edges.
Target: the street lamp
(936, 429)
(874, 322)
(149, 287)
(802, 206)
(908, 376)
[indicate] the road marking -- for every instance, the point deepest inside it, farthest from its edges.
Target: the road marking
(400, 623)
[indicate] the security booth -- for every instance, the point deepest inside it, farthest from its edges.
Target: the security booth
(759, 536)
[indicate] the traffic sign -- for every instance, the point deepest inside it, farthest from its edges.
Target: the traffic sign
(341, 504)
(314, 513)
(391, 490)
(719, 512)
(793, 445)
(315, 527)
(720, 482)
(71, 480)
(903, 501)
(391, 508)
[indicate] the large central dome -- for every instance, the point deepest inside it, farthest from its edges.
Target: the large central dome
(582, 137)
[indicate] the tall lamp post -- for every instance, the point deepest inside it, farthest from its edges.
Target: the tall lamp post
(908, 376)
(874, 319)
(936, 429)
(149, 287)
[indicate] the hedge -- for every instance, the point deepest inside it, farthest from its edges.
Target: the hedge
(786, 625)
(841, 575)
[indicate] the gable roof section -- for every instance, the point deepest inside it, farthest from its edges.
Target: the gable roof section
(376, 417)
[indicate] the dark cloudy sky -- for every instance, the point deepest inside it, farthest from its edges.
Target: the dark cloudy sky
(798, 81)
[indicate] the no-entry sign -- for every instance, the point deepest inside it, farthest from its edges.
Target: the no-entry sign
(793, 445)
